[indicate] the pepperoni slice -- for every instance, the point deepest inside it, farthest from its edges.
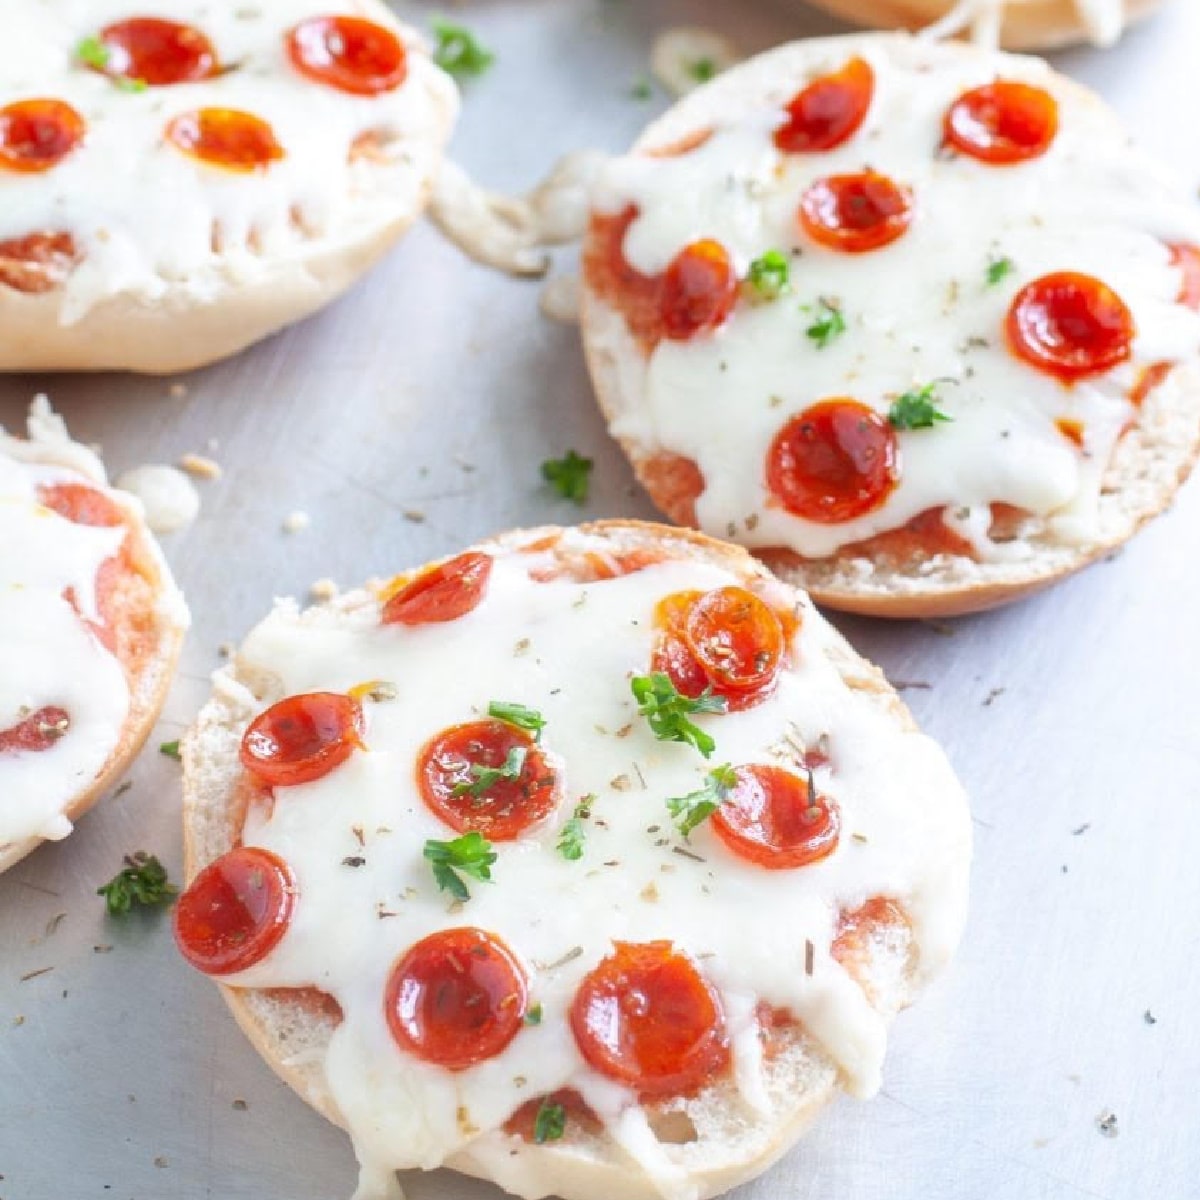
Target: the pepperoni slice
(157, 52)
(833, 462)
(1070, 325)
(647, 1018)
(443, 593)
(698, 290)
(772, 819)
(456, 998)
(856, 213)
(1002, 123)
(37, 262)
(302, 738)
(1187, 259)
(36, 135)
(348, 53)
(81, 504)
(38, 731)
(225, 137)
(829, 111)
(489, 799)
(736, 639)
(235, 911)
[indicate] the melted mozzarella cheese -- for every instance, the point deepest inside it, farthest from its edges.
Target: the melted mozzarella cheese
(48, 656)
(916, 311)
(146, 217)
(1103, 21)
(568, 649)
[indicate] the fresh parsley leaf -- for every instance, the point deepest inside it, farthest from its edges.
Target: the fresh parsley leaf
(702, 70)
(124, 84)
(569, 475)
(458, 51)
(471, 854)
(486, 777)
(511, 713)
(92, 52)
(667, 710)
(143, 880)
(696, 807)
(769, 275)
(999, 269)
(533, 1014)
(170, 749)
(828, 322)
(570, 841)
(642, 90)
(550, 1124)
(917, 409)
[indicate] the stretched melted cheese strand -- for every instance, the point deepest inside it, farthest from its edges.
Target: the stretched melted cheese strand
(49, 658)
(568, 650)
(146, 216)
(1102, 20)
(916, 311)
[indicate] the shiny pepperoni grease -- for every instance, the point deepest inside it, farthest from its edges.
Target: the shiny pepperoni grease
(456, 998)
(829, 111)
(235, 912)
(487, 776)
(856, 213)
(833, 462)
(442, 593)
(225, 137)
(302, 738)
(36, 135)
(698, 290)
(1002, 123)
(351, 54)
(156, 52)
(647, 1018)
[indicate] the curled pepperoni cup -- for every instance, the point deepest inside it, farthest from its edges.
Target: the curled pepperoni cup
(856, 213)
(36, 135)
(647, 1018)
(774, 820)
(227, 138)
(235, 911)
(81, 504)
(302, 738)
(456, 998)
(1070, 326)
(443, 593)
(1187, 259)
(348, 53)
(829, 111)
(155, 52)
(1002, 123)
(698, 290)
(37, 732)
(834, 462)
(488, 776)
(735, 638)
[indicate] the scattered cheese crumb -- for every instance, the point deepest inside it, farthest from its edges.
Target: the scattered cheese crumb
(201, 467)
(177, 391)
(323, 590)
(559, 299)
(296, 522)
(168, 496)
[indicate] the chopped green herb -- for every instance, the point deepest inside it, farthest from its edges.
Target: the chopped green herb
(170, 749)
(92, 52)
(828, 322)
(667, 710)
(533, 1014)
(570, 841)
(458, 51)
(528, 719)
(769, 275)
(487, 777)
(125, 84)
(551, 1122)
(917, 409)
(696, 807)
(569, 476)
(999, 269)
(642, 90)
(143, 880)
(472, 854)
(702, 70)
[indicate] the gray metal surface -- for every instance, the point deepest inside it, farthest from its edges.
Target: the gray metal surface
(411, 418)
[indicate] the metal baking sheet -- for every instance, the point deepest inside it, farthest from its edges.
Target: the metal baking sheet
(411, 418)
